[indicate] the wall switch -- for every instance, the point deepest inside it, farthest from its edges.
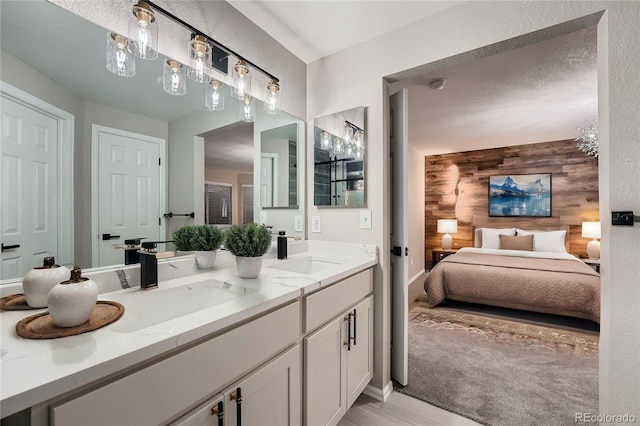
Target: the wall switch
(316, 224)
(298, 224)
(263, 217)
(365, 219)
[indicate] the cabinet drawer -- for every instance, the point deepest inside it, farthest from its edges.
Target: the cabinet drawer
(323, 305)
(155, 394)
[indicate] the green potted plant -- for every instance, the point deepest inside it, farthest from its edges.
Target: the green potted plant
(204, 240)
(248, 243)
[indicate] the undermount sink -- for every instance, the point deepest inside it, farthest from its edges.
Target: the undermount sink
(306, 265)
(145, 308)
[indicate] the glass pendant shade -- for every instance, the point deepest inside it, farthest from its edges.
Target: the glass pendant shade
(120, 61)
(199, 60)
(143, 32)
(272, 98)
(348, 133)
(174, 79)
(357, 139)
(338, 145)
(241, 80)
(325, 140)
(215, 96)
(247, 109)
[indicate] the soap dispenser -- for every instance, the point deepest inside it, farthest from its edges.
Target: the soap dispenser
(282, 245)
(39, 281)
(71, 302)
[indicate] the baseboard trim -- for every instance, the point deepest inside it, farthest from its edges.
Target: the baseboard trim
(379, 394)
(416, 276)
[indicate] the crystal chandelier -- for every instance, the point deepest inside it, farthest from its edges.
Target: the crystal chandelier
(587, 140)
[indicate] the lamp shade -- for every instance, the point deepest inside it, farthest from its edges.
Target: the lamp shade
(591, 229)
(447, 226)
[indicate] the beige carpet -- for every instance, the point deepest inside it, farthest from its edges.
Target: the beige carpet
(498, 371)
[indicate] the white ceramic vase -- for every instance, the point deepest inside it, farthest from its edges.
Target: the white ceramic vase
(39, 281)
(206, 259)
(72, 302)
(249, 267)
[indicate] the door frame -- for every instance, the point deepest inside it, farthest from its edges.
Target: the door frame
(96, 129)
(65, 183)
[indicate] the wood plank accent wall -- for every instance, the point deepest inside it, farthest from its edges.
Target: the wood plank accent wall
(456, 186)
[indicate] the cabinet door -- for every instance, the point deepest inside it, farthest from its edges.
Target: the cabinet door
(360, 354)
(211, 413)
(271, 396)
(325, 374)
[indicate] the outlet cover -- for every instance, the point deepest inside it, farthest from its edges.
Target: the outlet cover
(298, 224)
(365, 219)
(263, 217)
(316, 224)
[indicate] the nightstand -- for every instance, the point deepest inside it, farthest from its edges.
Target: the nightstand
(594, 263)
(438, 255)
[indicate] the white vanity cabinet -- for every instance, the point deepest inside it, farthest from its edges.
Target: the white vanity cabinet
(338, 354)
(156, 394)
(269, 396)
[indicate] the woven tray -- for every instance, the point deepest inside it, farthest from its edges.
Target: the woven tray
(41, 326)
(15, 302)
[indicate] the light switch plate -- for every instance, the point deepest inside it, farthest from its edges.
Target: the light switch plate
(263, 217)
(298, 224)
(316, 224)
(365, 219)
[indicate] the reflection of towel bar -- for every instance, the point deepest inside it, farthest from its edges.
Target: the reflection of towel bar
(170, 214)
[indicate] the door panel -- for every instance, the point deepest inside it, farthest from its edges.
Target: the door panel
(360, 357)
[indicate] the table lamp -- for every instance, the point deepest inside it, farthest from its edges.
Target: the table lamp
(592, 230)
(446, 226)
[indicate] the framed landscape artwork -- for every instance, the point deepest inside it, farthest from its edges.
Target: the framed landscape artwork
(520, 195)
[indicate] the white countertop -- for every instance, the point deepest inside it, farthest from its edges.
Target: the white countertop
(35, 371)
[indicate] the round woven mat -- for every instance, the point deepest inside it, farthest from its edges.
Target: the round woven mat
(41, 326)
(15, 302)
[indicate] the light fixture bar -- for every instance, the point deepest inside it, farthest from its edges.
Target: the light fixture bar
(211, 40)
(353, 126)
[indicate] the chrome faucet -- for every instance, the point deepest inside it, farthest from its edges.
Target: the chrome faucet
(149, 264)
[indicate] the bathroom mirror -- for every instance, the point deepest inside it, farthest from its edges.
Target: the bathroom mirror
(279, 167)
(339, 159)
(60, 59)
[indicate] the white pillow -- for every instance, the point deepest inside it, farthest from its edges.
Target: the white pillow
(549, 241)
(491, 236)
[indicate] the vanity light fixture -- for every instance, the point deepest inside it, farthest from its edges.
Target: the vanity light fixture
(325, 140)
(143, 31)
(241, 80)
(338, 145)
(272, 98)
(247, 109)
(347, 132)
(119, 60)
(199, 59)
(215, 95)
(174, 80)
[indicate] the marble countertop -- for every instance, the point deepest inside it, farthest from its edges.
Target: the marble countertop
(35, 371)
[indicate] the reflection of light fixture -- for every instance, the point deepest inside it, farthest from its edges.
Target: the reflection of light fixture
(241, 80)
(447, 226)
(215, 96)
(592, 230)
(338, 145)
(143, 31)
(119, 60)
(357, 139)
(174, 81)
(347, 132)
(199, 59)
(247, 109)
(325, 140)
(272, 98)
(587, 139)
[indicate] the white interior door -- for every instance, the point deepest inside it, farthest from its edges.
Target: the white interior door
(399, 142)
(29, 188)
(266, 181)
(128, 190)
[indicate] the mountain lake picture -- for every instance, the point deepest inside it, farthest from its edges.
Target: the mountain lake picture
(520, 195)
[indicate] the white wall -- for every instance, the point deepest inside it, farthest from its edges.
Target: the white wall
(332, 87)
(280, 147)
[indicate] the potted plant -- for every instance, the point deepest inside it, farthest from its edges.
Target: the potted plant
(248, 243)
(204, 240)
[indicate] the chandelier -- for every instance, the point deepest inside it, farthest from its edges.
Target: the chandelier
(587, 140)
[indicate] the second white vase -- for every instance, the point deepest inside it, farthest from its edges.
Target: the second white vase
(248, 267)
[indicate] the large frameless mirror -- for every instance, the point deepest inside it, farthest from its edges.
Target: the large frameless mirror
(339, 155)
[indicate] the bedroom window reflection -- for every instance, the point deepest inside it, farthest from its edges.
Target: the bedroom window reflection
(217, 203)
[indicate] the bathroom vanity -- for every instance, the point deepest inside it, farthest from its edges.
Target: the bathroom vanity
(293, 346)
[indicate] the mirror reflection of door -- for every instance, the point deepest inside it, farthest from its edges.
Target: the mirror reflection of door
(128, 191)
(268, 173)
(279, 167)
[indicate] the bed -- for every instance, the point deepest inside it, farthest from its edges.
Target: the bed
(533, 273)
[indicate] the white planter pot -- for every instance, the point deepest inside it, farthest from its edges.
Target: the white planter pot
(71, 303)
(248, 267)
(206, 259)
(39, 281)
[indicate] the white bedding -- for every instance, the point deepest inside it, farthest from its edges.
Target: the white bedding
(521, 253)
